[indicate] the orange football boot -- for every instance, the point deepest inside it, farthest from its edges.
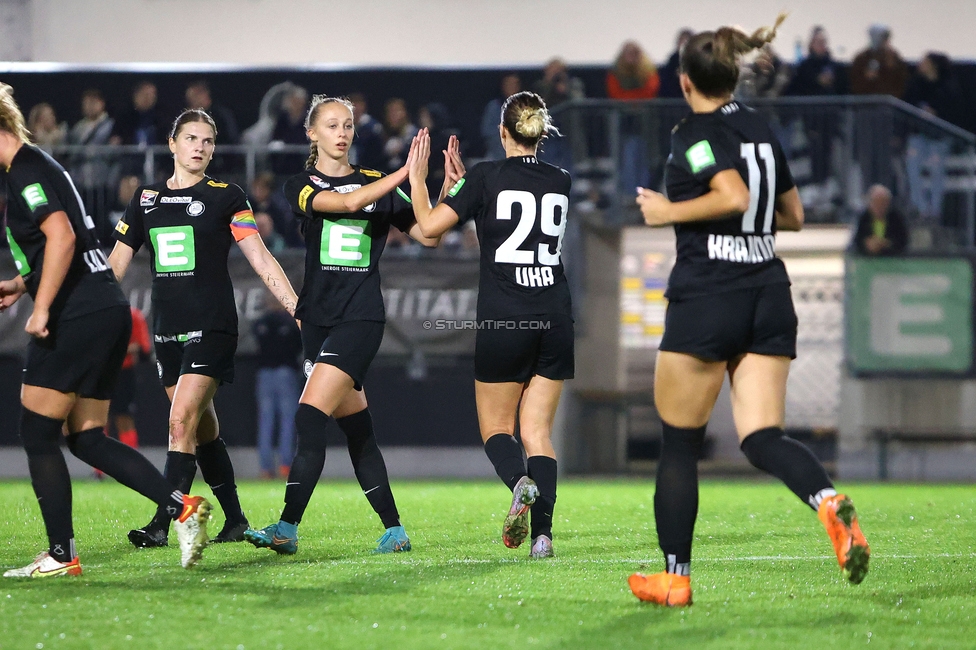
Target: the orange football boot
(668, 589)
(838, 516)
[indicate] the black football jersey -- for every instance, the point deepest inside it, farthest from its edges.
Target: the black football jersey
(189, 233)
(342, 251)
(37, 185)
(520, 207)
(737, 252)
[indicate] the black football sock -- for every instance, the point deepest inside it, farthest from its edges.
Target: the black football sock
(41, 437)
(306, 468)
(125, 465)
(676, 495)
(180, 470)
(218, 472)
(505, 453)
(772, 451)
(542, 470)
(367, 461)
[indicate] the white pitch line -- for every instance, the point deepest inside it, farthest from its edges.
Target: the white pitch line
(431, 563)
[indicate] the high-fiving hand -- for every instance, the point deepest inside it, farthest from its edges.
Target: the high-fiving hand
(419, 152)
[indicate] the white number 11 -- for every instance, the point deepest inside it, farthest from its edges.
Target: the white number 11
(748, 151)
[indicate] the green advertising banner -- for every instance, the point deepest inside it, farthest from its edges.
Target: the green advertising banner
(910, 315)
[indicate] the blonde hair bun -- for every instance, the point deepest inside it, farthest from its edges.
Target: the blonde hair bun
(532, 122)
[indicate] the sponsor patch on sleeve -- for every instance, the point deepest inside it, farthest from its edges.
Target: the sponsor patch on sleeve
(700, 156)
(303, 197)
(457, 188)
(34, 195)
(122, 227)
(213, 183)
(147, 198)
(371, 173)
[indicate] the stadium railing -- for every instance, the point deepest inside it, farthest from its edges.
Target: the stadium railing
(837, 148)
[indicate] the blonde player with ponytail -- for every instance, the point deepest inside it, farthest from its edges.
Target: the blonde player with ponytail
(346, 212)
(524, 347)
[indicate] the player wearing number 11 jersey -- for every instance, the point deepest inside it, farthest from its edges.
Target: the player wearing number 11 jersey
(524, 344)
(730, 310)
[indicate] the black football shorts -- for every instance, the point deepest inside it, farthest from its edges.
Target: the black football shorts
(81, 355)
(124, 395)
(516, 349)
(723, 326)
(195, 353)
(349, 346)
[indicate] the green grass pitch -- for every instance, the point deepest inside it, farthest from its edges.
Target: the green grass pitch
(764, 574)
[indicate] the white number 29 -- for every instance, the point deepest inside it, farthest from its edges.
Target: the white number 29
(509, 252)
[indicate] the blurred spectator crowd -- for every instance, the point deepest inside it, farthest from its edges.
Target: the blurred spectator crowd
(108, 177)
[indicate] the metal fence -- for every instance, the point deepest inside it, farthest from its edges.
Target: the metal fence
(102, 173)
(837, 147)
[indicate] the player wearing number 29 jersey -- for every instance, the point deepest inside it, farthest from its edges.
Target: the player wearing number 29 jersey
(524, 344)
(519, 207)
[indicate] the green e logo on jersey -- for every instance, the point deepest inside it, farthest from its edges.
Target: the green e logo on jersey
(700, 156)
(346, 242)
(34, 195)
(174, 248)
(457, 188)
(19, 258)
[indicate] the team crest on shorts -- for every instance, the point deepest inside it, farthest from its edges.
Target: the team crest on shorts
(307, 368)
(196, 208)
(147, 198)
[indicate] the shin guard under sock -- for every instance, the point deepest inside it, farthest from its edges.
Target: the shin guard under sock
(218, 472)
(306, 468)
(676, 494)
(50, 479)
(772, 451)
(542, 470)
(125, 465)
(367, 461)
(505, 453)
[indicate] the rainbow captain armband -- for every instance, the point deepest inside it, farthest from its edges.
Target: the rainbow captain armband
(243, 225)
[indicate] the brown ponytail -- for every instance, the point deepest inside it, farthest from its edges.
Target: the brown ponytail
(711, 59)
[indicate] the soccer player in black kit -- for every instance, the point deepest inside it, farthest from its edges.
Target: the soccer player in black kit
(730, 310)
(346, 213)
(79, 329)
(188, 223)
(525, 346)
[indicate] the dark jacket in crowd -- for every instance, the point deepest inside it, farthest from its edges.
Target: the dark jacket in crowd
(818, 75)
(943, 97)
(894, 229)
(670, 86)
